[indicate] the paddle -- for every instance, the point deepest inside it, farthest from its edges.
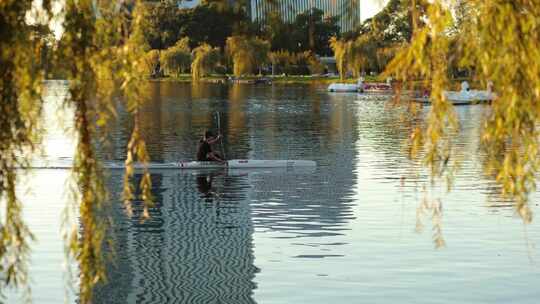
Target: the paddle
(221, 139)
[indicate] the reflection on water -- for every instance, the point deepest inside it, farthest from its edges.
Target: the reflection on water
(360, 227)
(194, 249)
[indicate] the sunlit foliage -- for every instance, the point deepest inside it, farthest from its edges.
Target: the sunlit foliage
(309, 31)
(281, 61)
(295, 63)
(20, 108)
(177, 59)
(247, 53)
(102, 53)
(205, 58)
(363, 55)
(209, 22)
(342, 52)
(313, 63)
(151, 62)
(375, 42)
(498, 41)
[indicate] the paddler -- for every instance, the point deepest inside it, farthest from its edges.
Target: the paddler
(204, 149)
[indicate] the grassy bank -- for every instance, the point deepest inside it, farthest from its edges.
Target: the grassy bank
(455, 84)
(296, 79)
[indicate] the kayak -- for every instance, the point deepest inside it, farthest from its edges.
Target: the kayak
(231, 164)
(235, 164)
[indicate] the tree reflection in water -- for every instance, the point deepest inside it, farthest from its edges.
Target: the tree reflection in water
(196, 248)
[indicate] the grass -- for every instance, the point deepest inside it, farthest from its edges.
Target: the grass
(290, 79)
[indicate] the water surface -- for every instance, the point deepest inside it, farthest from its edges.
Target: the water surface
(366, 225)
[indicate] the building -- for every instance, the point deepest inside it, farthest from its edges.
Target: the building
(348, 11)
(188, 3)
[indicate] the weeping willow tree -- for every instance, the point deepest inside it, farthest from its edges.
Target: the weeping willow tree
(363, 55)
(281, 61)
(295, 63)
(20, 105)
(360, 54)
(205, 58)
(246, 53)
(151, 61)
(342, 52)
(103, 53)
(177, 58)
(498, 40)
(106, 54)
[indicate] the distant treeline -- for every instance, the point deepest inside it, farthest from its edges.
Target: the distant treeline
(215, 37)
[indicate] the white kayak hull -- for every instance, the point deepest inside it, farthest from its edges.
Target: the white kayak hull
(233, 164)
(362, 87)
(246, 163)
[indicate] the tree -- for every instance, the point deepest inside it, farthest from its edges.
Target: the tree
(177, 58)
(162, 23)
(246, 53)
(313, 63)
(205, 58)
(342, 52)
(20, 104)
(377, 39)
(310, 31)
(281, 61)
(210, 22)
(151, 62)
(499, 40)
(363, 55)
(100, 48)
(313, 31)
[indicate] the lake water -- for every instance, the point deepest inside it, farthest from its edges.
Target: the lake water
(364, 226)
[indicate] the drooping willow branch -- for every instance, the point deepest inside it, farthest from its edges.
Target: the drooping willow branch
(497, 41)
(105, 56)
(20, 109)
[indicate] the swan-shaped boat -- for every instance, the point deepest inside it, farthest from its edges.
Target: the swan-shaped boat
(343, 87)
(465, 96)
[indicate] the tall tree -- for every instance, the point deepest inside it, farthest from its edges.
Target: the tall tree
(247, 54)
(313, 31)
(177, 58)
(205, 58)
(310, 31)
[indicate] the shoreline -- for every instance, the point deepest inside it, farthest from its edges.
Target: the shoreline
(265, 79)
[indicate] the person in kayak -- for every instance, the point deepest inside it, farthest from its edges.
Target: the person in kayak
(204, 149)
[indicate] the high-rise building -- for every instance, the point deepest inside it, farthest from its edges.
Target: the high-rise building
(188, 3)
(347, 11)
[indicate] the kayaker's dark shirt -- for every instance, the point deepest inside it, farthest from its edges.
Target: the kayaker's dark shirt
(202, 150)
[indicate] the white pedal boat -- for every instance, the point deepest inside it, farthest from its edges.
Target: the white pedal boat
(343, 87)
(465, 96)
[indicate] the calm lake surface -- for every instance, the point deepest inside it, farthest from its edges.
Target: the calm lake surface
(364, 226)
